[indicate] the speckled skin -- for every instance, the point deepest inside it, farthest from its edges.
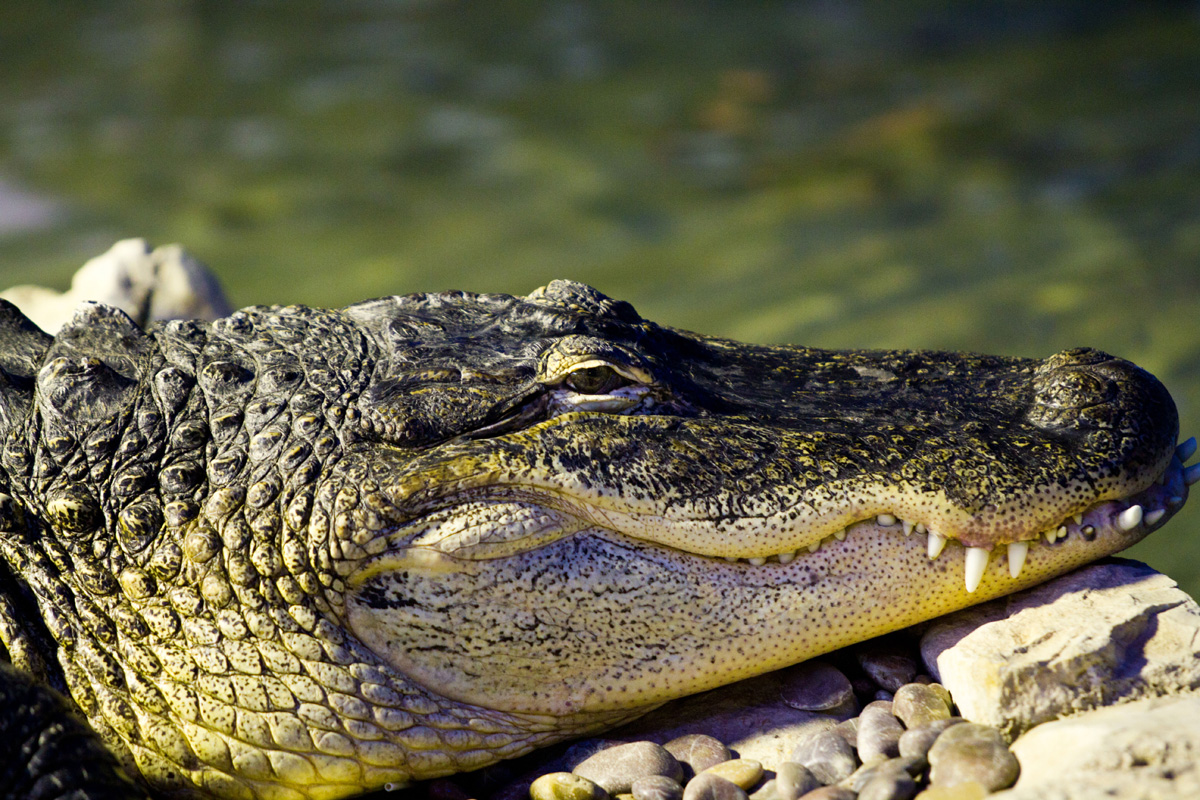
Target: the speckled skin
(302, 553)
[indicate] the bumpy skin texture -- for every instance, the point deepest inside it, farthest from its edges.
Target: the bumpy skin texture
(303, 553)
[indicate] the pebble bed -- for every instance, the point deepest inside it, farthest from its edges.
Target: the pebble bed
(905, 742)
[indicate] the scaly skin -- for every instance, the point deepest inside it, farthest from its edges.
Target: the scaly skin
(305, 553)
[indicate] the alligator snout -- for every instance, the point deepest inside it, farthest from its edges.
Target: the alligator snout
(1108, 405)
(1081, 386)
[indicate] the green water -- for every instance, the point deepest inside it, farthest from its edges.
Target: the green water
(1014, 177)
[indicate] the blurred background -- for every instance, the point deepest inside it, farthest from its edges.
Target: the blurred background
(1010, 176)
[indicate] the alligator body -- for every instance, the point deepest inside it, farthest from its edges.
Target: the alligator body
(305, 553)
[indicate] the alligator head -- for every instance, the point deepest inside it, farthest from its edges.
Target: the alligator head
(318, 551)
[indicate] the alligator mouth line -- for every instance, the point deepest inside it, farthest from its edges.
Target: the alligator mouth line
(521, 520)
(1149, 509)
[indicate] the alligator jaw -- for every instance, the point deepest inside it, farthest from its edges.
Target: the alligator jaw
(589, 620)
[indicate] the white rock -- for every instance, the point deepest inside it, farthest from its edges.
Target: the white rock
(1111, 632)
(165, 283)
(1144, 749)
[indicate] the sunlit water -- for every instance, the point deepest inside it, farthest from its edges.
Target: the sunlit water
(1012, 177)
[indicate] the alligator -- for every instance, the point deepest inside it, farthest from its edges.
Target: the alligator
(307, 553)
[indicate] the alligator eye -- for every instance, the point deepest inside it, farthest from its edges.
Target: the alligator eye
(595, 380)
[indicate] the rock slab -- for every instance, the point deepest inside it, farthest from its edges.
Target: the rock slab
(1112, 632)
(1146, 749)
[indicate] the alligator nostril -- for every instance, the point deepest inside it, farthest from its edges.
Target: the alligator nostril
(1124, 414)
(1067, 383)
(1075, 357)
(1074, 388)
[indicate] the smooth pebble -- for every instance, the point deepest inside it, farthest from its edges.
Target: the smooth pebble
(888, 666)
(745, 772)
(963, 791)
(917, 741)
(895, 785)
(830, 793)
(975, 752)
(827, 755)
(865, 774)
(816, 686)
(707, 786)
(565, 786)
(793, 780)
(848, 730)
(616, 768)
(878, 734)
(656, 787)
(916, 704)
(697, 751)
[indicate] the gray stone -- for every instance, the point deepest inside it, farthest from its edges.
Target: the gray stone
(972, 752)
(917, 741)
(916, 704)
(1013, 663)
(816, 686)
(867, 773)
(911, 765)
(878, 735)
(830, 793)
(848, 730)
(827, 756)
(889, 785)
(886, 705)
(768, 791)
(656, 787)
(161, 284)
(749, 717)
(793, 780)
(616, 768)
(888, 664)
(707, 786)
(1143, 749)
(697, 752)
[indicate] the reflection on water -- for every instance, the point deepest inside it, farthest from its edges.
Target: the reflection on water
(1017, 177)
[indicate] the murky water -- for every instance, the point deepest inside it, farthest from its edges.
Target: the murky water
(1015, 177)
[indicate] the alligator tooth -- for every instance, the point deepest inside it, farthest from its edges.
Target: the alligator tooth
(886, 520)
(1062, 531)
(730, 559)
(920, 527)
(908, 527)
(756, 561)
(840, 535)
(1187, 449)
(936, 543)
(1078, 519)
(1050, 535)
(1154, 516)
(812, 548)
(1016, 557)
(1130, 518)
(977, 560)
(1192, 474)
(787, 558)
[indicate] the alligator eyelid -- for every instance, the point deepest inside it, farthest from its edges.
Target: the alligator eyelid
(526, 411)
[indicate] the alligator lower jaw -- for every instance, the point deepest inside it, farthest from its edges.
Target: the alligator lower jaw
(578, 619)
